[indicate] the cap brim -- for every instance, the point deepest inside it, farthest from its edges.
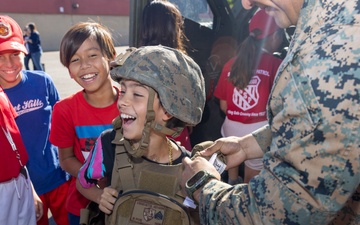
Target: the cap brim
(12, 45)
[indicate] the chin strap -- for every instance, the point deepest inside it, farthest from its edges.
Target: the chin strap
(170, 132)
(149, 124)
(150, 117)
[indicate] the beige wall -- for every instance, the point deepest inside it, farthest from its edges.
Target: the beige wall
(53, 27)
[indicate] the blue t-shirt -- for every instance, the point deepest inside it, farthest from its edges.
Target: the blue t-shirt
(35, 46)
(33, 99)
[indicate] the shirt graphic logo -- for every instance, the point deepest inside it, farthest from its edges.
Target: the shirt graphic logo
(28, 106)
(247, 98)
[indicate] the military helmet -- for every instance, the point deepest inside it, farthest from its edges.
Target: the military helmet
(173, 75)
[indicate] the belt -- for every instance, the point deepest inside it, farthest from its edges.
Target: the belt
(23, 171)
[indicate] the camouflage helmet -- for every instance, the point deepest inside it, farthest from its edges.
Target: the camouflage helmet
(173, 75)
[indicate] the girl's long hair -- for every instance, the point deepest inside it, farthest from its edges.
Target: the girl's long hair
(162, 23)
(246, 60)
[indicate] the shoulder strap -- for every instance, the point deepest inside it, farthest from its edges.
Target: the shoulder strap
(122, 170)
(124, 167)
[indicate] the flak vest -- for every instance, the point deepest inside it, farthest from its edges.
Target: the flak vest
(149, 193)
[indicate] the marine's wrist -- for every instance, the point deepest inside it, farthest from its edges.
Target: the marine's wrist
(197, 193)
(196, 183)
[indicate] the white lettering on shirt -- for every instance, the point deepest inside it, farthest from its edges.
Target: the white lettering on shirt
(28, 106)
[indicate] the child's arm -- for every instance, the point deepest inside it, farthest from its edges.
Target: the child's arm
(93, 193)
(68, 161)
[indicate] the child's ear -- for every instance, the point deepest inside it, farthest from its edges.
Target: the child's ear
(167, 116)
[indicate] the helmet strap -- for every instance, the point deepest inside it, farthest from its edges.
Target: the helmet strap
(150, 117)
(150, 123)
(170, 132)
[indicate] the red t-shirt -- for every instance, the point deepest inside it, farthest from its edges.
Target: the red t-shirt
(76, 123)
(248, 105)
(9, 132)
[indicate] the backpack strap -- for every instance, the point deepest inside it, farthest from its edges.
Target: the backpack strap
(122, 170)
(124, 167)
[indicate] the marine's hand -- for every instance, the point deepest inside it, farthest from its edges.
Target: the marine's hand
(190, 167)
(232, 147)
(108, 199)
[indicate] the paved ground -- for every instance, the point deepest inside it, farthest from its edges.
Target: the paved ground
(62, 80)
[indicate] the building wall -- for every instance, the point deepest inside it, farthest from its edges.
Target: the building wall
(54, 17)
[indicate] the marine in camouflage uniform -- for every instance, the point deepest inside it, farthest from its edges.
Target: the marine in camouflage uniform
(311, 149)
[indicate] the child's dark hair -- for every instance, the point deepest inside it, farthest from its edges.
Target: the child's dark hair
(32, 27)
(246, 60)
(162, 23)
(78, 33)
(174, 122)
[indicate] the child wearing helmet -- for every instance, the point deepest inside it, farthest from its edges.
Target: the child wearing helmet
(162, 91)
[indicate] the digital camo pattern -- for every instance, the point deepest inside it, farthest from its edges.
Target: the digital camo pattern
(175, 76)
(311, 172)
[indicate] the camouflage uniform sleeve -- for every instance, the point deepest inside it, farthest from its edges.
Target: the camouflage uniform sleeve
(223, 204)
(263, 137)
(311, 171)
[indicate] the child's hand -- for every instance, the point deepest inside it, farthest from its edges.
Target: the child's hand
(39, 210)
(107, 201)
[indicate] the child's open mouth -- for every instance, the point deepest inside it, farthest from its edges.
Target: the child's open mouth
(127, 119)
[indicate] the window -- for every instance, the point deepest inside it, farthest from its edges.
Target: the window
(196, 10)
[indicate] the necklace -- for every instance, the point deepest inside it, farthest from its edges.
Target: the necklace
(170, 151)
(156, 159)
